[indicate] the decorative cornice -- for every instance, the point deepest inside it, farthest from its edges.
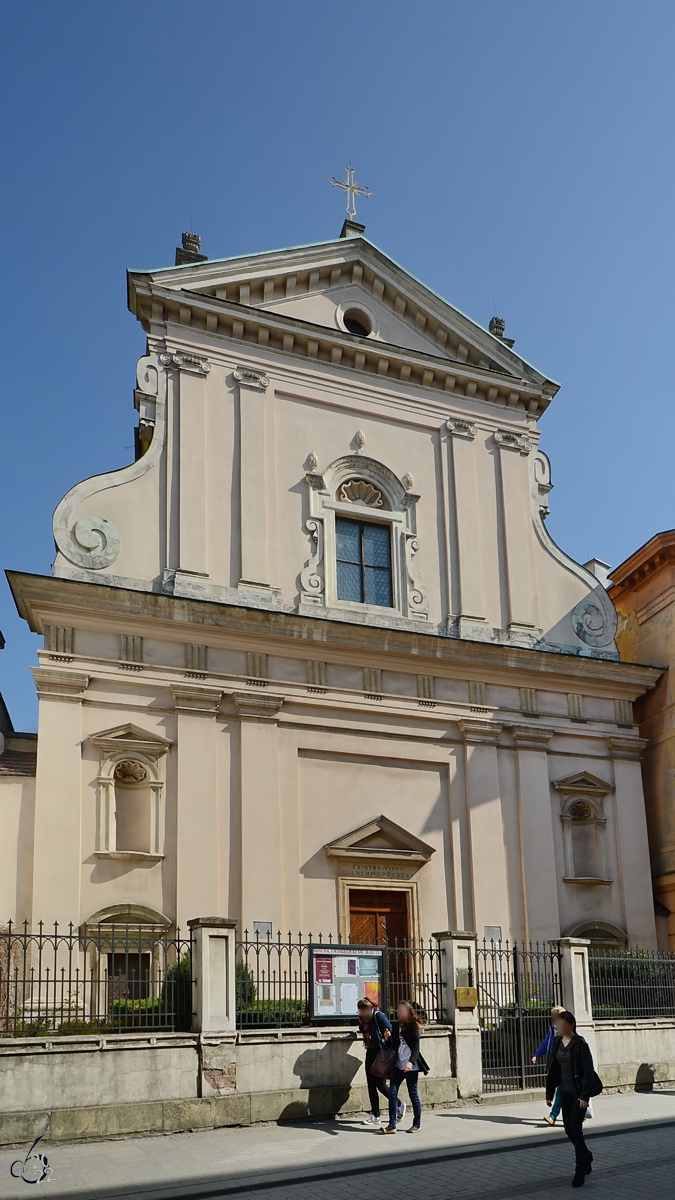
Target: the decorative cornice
(459, 428)
(625, 747)
(657, 553)
(194, 363)
(256, 381)
(258, 708)
(303, 339)
(485, 732)
(60, 685)
(196, 700)
(527, 738)
(507, 440)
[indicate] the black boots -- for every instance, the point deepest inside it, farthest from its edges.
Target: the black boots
(579, 1177)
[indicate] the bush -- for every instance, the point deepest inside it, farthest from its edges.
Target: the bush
(176, 995)
(244, 985)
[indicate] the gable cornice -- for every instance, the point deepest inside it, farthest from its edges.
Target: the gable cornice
(159, 308)
(306, 269)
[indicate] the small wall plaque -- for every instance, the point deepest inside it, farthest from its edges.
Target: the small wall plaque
(466, 997)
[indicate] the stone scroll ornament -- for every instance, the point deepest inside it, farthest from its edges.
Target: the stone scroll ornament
(594, 620)
(93, 541)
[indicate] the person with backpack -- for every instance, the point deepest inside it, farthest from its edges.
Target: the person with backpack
(571, 1069)
(376, 1031)
(409, 1063)
(546, 1051)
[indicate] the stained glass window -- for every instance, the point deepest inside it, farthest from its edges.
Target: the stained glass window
(363, 562)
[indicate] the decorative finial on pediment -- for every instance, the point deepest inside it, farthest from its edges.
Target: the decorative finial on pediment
(408, 482)
(311, 462)
(359, 440)
(497, 328)
(190, 250)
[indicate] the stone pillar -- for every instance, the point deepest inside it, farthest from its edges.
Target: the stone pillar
(214, 1004)
(540, 899)
(516, 533)
(197, 866)
(489, 883)
(634, 862)
(261, 830)
(57, 855)
(471, 620)
(459, 949)
(576, 987)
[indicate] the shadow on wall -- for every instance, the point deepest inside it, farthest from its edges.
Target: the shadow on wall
(644, 1080)
(327, 1073)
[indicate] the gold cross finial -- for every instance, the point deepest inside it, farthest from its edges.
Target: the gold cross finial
(352, 190)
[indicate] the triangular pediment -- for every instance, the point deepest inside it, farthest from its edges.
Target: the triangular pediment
(380, 839)
(583, 783)
(318, 285)
(129, 737)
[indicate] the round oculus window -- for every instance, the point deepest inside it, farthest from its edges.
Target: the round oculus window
(356, 321)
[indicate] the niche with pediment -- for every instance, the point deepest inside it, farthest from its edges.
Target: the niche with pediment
(130, 795)
(584, 823)
(363, 531)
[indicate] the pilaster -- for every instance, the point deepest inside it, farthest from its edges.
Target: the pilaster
(513, 450)
(197, 866)
(635, 870)
(253, 501)
(192, 514)
(490, 895)
(471, 621)
(537, 847)
(262, 836)
(57, 876)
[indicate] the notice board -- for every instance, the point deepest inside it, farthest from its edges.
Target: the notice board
(340, 976)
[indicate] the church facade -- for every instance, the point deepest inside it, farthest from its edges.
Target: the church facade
(313, 661)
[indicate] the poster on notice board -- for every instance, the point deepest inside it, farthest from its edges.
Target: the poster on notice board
(340, 976)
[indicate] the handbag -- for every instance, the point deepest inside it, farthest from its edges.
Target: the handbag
(384, 1063)
(596, 1086)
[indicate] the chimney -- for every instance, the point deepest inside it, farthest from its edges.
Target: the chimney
(189, 251)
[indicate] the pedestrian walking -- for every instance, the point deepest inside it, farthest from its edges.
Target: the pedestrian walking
(409, 1063)
(546, 1051)
(572, 1070)
(375, 1029)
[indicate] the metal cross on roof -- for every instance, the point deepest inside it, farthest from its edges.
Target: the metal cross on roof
(352, 190)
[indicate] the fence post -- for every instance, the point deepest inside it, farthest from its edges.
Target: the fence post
(576, 986)
(459, 949)
(214, 1005)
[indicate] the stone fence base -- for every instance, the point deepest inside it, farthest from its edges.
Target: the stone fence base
(166, 1083)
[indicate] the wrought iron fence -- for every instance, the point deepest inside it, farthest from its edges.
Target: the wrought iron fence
(272, 978)
(631, 983)
(103, 978)
(517, 986)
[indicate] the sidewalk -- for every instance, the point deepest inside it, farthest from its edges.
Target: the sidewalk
(343, 1151)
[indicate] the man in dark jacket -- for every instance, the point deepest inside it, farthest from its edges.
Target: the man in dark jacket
(571, 1069)
(375, 1030)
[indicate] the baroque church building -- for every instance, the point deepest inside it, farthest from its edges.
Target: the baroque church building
(313, 661)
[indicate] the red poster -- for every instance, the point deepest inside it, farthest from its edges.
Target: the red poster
(324, 970)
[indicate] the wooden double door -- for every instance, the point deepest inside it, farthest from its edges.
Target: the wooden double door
(378, 917)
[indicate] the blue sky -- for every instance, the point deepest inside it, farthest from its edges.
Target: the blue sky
(521, 161)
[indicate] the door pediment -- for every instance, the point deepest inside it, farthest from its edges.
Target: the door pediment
(380, 840)
(583, 783)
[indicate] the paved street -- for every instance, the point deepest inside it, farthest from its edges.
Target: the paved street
(491, 1152)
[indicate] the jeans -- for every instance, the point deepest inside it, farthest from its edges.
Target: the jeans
(375, 1084)
(555, 1107)
(573, 1119)
(411, 1078)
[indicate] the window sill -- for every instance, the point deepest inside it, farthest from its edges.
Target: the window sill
(587, 881)
(129, 855)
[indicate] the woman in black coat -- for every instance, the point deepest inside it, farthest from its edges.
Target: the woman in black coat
(409, 1062)
(571, 1069)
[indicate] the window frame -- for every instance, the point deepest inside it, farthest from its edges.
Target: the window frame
(362, 525)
